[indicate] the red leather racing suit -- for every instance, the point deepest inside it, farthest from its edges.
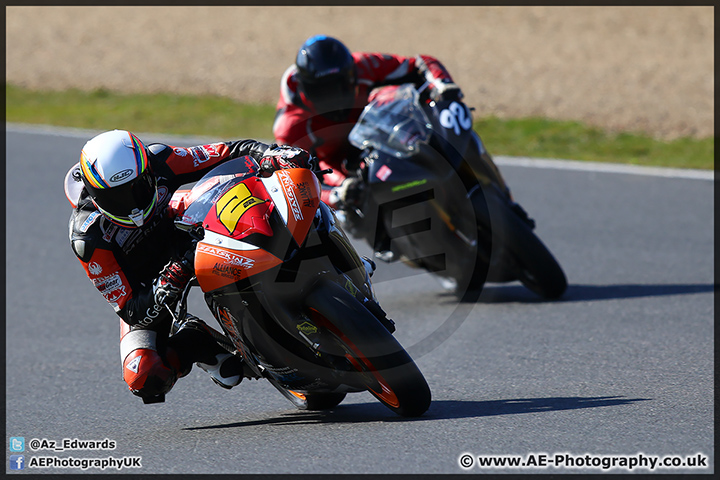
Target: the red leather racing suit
(297, 122)
(122, 263)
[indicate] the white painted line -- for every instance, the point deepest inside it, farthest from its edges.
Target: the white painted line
(50, 130)
(500, 160)
(605, 167)
(88, 134)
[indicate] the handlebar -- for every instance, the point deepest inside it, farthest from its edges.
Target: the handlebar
(321, 173)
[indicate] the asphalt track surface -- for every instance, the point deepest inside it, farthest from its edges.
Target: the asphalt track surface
(622, 366)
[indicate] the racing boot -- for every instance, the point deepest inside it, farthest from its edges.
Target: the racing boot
(369, 265)
(347, 195)
(382, 247)
(225, 369)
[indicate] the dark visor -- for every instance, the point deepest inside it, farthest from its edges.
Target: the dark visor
(122, 200)
(331, 94)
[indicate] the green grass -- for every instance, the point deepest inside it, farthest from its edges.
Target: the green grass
(226, 119)
(543, 138)
(159, 113)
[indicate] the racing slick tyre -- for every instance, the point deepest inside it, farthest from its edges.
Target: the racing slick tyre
(372, 358)
(531, 261)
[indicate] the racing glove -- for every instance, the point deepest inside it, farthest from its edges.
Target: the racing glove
(440, 90)
(284, 156)
(349, 194)
(173, 279)
(441, 86)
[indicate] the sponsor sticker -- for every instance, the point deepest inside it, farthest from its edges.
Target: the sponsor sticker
(89, 221)
(306, 194)
(109, 233)
(162, 193)
(307, 328)
(122, 236)
(204, 153)
(111, 287)
(120, 176)
(228, 271)
(229, 257)
(233, 205)
(134, 364)
(288, 187)
(383, 173)
(94, 268)
(199, 155)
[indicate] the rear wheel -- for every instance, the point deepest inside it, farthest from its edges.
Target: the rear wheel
(372, 358)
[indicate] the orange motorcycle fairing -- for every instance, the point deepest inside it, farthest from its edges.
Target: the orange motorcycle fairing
(222, 257)
(221, 261)
(296, 195)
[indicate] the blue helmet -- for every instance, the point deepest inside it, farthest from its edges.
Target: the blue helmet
(326, 74)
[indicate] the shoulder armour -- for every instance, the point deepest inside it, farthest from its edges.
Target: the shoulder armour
(85, 232)
(160, 150)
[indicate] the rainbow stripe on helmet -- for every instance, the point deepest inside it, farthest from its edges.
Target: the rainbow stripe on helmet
(97, 181)
(141, 157)
(90, 173)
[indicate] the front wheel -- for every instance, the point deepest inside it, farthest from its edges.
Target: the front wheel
(352, 337)
(527, 258)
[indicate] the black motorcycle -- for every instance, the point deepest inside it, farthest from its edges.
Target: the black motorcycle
(434, 198)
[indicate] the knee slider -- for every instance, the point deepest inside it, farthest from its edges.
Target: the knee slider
(144, 371)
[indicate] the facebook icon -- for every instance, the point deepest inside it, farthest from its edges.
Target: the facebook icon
(17, 462)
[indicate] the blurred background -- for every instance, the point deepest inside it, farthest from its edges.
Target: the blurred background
(646, 69)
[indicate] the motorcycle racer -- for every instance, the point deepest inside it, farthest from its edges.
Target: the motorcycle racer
(121, 229)
(323, 94)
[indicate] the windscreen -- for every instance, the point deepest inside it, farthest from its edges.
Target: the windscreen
(392, 125)
(212, 185)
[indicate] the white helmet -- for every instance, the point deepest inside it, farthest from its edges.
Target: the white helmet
(114, 168)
